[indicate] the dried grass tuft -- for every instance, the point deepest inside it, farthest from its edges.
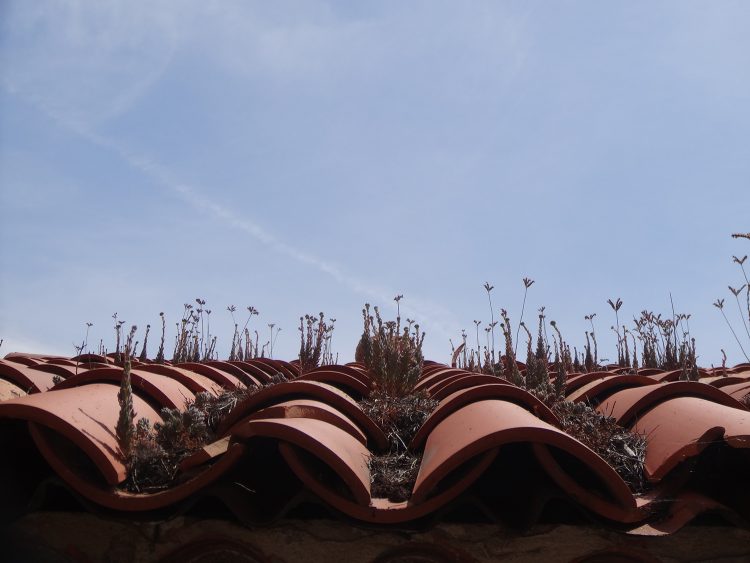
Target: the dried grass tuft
(392, 353)
(151, 468)
(216, 408)
(392, 475)
(400, 418)
(623, 450)
(156, 452)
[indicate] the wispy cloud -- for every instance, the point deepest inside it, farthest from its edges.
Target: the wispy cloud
(433, 315)
(94, 65)
(436, 317)
(91, 62)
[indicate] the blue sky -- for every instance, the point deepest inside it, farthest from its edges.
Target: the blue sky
(313, 156)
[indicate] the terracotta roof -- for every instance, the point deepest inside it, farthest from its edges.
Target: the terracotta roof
(489, 445)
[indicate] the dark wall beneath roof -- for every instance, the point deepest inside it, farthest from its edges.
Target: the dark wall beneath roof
(63, 537)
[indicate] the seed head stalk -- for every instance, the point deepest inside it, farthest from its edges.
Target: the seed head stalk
(719, 304)
(736, 293)
(527, 283)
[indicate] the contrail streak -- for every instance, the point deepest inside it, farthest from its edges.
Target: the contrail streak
(427, 313)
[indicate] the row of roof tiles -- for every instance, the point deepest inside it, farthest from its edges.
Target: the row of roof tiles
(313, 429)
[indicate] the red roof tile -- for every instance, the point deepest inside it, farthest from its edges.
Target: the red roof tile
(322, 437)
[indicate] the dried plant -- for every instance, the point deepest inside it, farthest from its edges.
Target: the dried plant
(150, 467)
(156, 452)
(488, 288)
(314, 341)
(736, 293)
(592, 360)
(477, 361)
(125, 429)
(563, 362)
(80, 349)
(511, 370)
(646, 329)
(529, 344)
(118, 333)
(272, 339)
(623, 450)
(186, 338)
(537, 376)
(243, 346)
(628, 363)
(208, 342)
(616, 308)
(328, 357)
(394, 473)
(160, 353)
(719, 304)
(459, 355)
(527, 283)
(392, 353)
(741, 263)
(144, 354)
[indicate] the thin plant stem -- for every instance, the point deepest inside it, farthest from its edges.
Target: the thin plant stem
(523, 307)
(720, 305)
(739, 308)
(489, 289)
(527, 283)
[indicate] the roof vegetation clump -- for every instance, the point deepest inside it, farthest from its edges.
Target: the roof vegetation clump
(391, 353)
(393, 474)
(393, 356)
(157, 450)
(546, 370)
(315, 342)
(623, 450)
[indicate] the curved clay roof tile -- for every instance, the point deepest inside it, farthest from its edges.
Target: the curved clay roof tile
(575, 382)
(444, 389)
(9, 390)
(218, 371)
(159, 389)
(345, 455)
(60, 370)
(277, 366)
(437, 376)
(491, 391)
(28, 379)
(598, 390)
(485, 425)
(307, 408)
(356, 373)
(196, 382)
(628, 404)
(123, 501)
(682, 427)
(225, 379)
(306, 390)
(87, 416)
(261, 372)
(352, 385)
